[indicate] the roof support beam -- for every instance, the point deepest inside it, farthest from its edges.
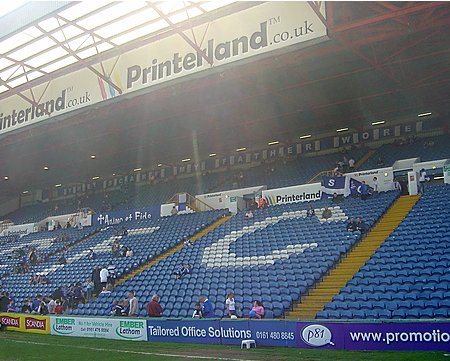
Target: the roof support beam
(387, 16)
(75, 55)
(183, 35)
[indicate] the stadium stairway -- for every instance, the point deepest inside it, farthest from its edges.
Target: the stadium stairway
(364, 158)
(173, 249)
(337, 278)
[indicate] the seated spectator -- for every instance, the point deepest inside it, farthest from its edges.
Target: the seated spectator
(116, 308)
(187, 242)
(336, 198)
(11, 306)
(183, 270)
(62, 260)
(257, 310)
(105, 292)
(42, 309)
(197, 311)
(92, 255)
(310, 212)
(126, 307)
(129, 252)
(174, 211)
(26, 306)
(154, 309)
(327, 213)
(351, 225)
(361, 226)
(380, 162)
(249, 214)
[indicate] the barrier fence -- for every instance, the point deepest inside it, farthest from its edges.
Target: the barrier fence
(429, 335)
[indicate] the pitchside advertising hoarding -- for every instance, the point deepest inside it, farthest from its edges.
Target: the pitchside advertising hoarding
(330, 335)
(427, 335)
(255, 31)
(110, 328)
(23, 322)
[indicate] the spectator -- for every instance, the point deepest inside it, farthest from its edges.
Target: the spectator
(422, 179)
(351, 164)
(51, 306)
(78, 295)
(104, 276)
(42, 309)
(257, 310)
(111, 273)
(351, 225)
(95, 277)
(58, 308)
(35, 304)
(310, 211)
(26, 306)
(88, 288)
(11, 306)
(105, 292)
(375, 185)
(380, 162)
(364, 190)
(133, 302)
(174, 211)
(62, 260)
(129, 252)
(249, 214)
(117, 308)
(197, 311)
(360, 226)
(230, 304)
(187, 242)
(326, 213)
(154, 309)
(92, 255)
(336, 198)
(207, 309)
(183, 270)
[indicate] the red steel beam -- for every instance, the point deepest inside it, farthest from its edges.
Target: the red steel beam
(387, 16)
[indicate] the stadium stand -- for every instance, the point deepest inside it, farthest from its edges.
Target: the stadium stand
(421, 148)
(284, 174)
(262, 258)
(146, 239)
(407, 277)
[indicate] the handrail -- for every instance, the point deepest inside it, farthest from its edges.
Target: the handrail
(194, 203)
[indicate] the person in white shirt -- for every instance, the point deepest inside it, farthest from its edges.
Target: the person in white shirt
(422, 179)
(230, 304)
(134, 309)
(104, 276)
(375, 185)
(249, 214)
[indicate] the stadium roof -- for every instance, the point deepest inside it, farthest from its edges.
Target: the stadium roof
(384, 61)
(71, 34)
